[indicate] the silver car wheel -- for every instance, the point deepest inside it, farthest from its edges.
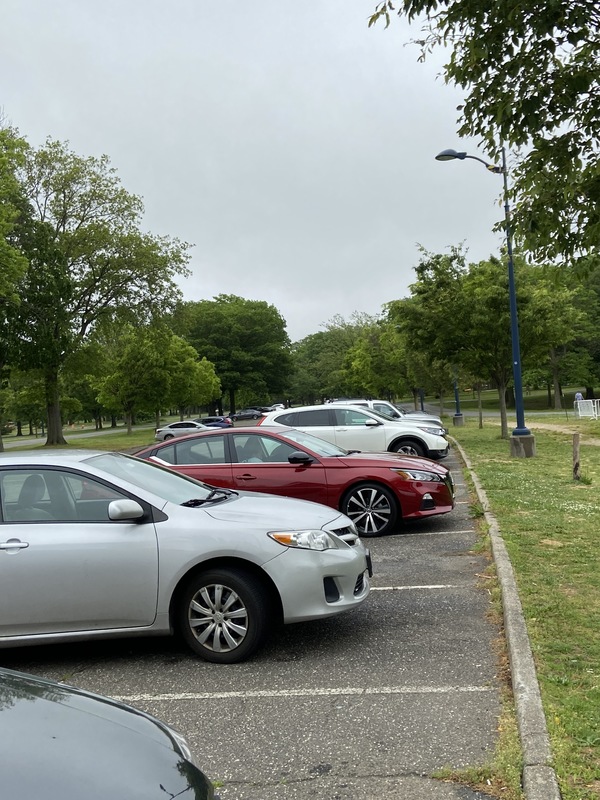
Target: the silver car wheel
(218, 618)
(372, 508)
(224, 615)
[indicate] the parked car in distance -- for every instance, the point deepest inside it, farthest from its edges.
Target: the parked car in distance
(376, 490)
(354, 428)
(63, 742)
(102, 545)
(394, 412)
(246, 413)
(215, 422)
(181, 428)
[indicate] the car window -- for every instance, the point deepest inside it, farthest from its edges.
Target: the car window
(317, 416)
(249, 449)
(41, 495)
(166, 454)
(318, 446)
(276, 450)
(210, 450)
(347, 416)
(286, 419)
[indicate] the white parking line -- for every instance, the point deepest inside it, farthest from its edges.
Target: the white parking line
(401, 588)
(316, 692)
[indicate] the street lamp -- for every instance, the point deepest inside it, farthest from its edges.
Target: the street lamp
(522, 442)
(458, 418)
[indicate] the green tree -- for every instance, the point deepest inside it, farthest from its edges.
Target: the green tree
(87, 260)
(192, 382)
(531, 77)
(246, 340)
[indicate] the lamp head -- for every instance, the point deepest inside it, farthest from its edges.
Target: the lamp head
(450, 155)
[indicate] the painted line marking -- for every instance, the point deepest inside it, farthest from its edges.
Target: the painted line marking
(402, 588)
(316, 692)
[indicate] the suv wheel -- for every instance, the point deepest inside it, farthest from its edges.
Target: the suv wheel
(409, 447)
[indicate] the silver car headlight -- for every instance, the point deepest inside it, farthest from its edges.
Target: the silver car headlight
(418, 475)
(306, 540)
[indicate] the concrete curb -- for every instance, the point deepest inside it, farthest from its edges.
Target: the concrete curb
(539, 778)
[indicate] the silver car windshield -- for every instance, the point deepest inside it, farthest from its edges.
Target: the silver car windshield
(318, 446)
(161, 481)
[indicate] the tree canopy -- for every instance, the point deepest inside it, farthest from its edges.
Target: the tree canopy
(531, 76)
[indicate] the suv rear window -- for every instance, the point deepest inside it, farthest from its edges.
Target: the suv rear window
(318, 416)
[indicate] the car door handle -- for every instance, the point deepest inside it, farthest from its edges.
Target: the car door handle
(13, 544)
(246, 477)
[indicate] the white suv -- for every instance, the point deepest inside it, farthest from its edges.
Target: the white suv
(395, 412)
(355, 428)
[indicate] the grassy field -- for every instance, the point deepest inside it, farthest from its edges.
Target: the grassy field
(551, 526)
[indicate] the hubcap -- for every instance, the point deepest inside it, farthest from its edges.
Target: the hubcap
(370, 510)
(218, 618)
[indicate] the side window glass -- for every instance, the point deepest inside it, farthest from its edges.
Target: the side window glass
(249, 449)
(166, 454)
(346, 416)
(287, 419)
(318, 417)
(277, 451)
(210, 450)
(43, 495)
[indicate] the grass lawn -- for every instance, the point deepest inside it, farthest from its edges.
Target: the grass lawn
(551, 526)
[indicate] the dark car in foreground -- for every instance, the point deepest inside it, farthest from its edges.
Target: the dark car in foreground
(376, 490)
(63, 743)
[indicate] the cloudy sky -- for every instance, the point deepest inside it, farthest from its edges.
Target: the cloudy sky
(291, 144)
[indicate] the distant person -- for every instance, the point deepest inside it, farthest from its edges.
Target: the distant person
(578, 396)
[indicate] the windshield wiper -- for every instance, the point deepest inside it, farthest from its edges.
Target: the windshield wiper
(211, 497)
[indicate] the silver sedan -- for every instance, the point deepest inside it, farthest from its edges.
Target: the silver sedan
(96, 544)
(181, 428)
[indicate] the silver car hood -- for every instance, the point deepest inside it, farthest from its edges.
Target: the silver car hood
(274, 512)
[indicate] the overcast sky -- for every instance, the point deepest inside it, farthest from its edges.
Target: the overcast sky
(291, 144)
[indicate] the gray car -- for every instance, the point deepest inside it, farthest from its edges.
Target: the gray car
(62, 742)
(99, 544)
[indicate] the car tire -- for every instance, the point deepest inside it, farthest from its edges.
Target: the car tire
(168, 436)
(373, 508)
(255, 416)
(224, 615)
(409, 447)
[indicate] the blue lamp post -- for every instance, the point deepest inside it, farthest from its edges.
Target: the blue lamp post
(522, 441)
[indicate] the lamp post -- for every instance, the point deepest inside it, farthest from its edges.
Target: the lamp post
(458, 418)
(522, 442)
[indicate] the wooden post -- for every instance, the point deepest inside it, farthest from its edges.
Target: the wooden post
(576, 464)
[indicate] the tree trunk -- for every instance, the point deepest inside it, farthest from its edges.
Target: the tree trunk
(55, 434)
(129, 421)
(502, 398)
(232, 401)
(157, 419)
(479, 405)
(557, 391)
(589, 393)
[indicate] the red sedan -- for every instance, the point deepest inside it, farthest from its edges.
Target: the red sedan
(376, 490)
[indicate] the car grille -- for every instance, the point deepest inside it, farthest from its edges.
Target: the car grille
(349, 535)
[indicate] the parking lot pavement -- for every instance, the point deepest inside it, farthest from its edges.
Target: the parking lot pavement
(367, 705)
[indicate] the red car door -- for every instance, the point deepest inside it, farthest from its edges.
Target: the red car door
(262, 466)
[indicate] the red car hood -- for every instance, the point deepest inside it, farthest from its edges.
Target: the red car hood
(392, 460)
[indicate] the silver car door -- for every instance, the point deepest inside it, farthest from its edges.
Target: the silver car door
(65, 567)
